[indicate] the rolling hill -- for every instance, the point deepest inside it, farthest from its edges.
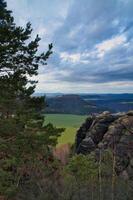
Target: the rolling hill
(84, 104)
(70, 104)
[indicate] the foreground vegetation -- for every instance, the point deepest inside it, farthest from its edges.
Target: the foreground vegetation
(25, 144)
(83, 178)
(70, 122)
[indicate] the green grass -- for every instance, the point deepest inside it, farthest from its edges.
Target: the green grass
(70, 122)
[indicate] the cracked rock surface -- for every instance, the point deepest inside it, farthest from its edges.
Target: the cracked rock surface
(114, 131)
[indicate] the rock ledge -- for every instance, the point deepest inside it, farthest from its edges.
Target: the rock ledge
(109, 131)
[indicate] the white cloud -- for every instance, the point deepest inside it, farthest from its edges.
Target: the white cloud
(109, 44)
(74, 58)
(98, 51)
(66, 87)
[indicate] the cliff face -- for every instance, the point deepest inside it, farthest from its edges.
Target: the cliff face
(109, 131)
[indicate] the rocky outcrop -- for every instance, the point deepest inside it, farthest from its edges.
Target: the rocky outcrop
(114, 131)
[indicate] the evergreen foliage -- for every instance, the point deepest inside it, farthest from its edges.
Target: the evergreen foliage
(25, 144)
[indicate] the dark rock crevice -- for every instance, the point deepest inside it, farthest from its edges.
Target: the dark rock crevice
(109, 131)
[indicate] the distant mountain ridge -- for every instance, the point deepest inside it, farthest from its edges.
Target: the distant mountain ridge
(112, 102)
(88, 103)
(70, 104)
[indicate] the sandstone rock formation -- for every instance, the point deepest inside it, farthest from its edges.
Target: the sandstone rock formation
(114, 131)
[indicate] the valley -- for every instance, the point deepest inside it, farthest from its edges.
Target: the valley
(69, 111)
(68, 121)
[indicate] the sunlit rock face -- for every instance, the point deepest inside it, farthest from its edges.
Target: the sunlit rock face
(106, 131)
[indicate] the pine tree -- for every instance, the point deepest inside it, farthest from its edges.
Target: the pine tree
(19, 59)
(25, 144)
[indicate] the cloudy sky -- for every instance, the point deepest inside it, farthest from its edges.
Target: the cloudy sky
(93, 43)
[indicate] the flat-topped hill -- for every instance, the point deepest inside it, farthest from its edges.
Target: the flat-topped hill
(70, 104)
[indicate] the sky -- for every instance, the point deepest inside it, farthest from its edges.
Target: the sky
(92, 39)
